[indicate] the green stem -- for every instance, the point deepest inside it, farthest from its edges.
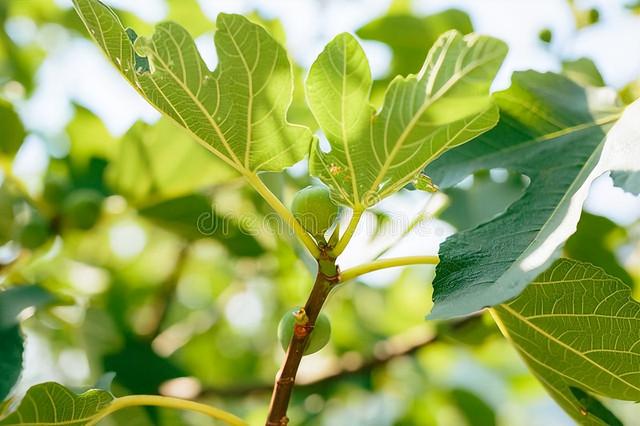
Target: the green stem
(348, 233)
(284, 213)
(167, 402)
(376, 265)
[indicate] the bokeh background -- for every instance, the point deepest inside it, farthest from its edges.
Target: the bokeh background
(170, 273)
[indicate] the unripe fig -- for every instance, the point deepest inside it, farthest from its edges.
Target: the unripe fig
(82, 208)
(319, 336)
(34, 233)
(314, 209)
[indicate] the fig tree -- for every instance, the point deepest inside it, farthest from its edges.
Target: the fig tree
(314, 209)
(291, 322)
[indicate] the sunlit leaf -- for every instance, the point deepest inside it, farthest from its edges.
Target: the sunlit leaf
(576, 326)
(374, 154)
(238, 111)
(160, 161)
(51, 403)
(556, 133)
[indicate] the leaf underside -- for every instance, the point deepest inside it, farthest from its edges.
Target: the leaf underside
(556, 133)
(577, 327)
(374, 154)
(238, 111)
(51, 403)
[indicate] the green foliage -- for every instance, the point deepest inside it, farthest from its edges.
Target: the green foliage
(194, 217)
(410, 37)
(81, 209)
(576, 326)
(51, 403)
(596, 241)
(485, 199)
(12, 302)
(583, 71)
(237, 112)
(13, 132)
(629, 181)
(543, 116)
(11, 353)
(373, 155)
(179, 289)
(161, 160)
(314, 209)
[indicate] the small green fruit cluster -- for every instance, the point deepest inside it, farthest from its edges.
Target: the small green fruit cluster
(319, 336)
(314, 209)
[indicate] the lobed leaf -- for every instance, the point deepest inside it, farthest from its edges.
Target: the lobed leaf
(374, 154)
(577, 327)
(558, 134)
(238, 111)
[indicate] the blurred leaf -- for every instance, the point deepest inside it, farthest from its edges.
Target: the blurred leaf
(189, 12)
(553, 131)
(475, 410)
(13, 301)
(89, 138)
(161, 160)
(194, 217)
(629, 181)
(13, 132)
(576, 326)
(7, 215)
(485, 199)
(595, 240)
(410, 37)
(11, 349)
(92, 146)
(139, 368)
(51, 403)
(237, 112)
(583, 71)
(373, 155)
(16, 299)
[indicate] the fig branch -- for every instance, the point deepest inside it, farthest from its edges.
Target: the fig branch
(378, 264)
(348, 233)
(326, 278)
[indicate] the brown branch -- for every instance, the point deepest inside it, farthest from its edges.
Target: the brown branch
(327, 276)
(347, 369)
